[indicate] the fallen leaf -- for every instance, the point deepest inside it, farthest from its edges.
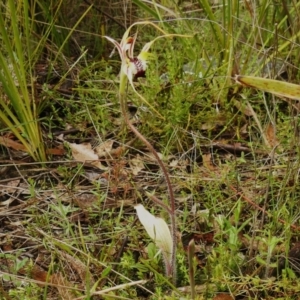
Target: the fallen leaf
(270, 133)
(92, 176)
(85, 153)
(152, 158)
(7, 202)
(223, 296)
(136, 165)
(81, 268)
(11, 144)
(37, 273)
(56, 151)
(85, 200)
(174, 163)
(9, 187)
(104, 148)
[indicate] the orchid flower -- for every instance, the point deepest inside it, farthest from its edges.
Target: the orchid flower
(135, 66)
(131, 66)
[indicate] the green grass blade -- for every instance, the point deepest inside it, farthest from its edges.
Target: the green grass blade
(213, 22)
(18, 106)
(147, 9)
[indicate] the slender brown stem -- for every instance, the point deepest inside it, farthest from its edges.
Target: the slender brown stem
(159, 202)
(171, 208)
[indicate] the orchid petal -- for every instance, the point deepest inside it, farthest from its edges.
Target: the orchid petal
(117, 45)
(129, 70)
(147, 47)
(144, 55)
(131, 46)
(125, 37)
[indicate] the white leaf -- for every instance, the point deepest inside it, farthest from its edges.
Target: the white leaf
(158, 230)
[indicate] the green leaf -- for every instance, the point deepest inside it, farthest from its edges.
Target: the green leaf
(260, 260)
(276, 87)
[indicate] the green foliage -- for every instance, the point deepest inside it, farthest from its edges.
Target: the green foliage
(19, 108)
(27, 29)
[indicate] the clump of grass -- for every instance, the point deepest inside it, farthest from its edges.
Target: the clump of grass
(19, 108)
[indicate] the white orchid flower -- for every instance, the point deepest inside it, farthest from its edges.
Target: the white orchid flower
(159, 232)
(135, 66)
(131, 66)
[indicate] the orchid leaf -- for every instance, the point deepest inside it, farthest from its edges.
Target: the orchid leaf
(276, 87)
(159, 232)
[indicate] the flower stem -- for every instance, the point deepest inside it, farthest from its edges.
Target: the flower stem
(171, 208)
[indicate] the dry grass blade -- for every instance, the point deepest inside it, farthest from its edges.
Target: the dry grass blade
(116, 288)
(62, 286)
(81, 268)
